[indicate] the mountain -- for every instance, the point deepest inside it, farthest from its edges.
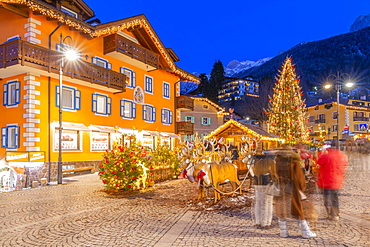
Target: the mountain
(235, 66)
(315, 61)
(361, 22)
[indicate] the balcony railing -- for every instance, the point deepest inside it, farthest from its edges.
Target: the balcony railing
(38, 57)
(185, 128)
(185, 103)
(363, 119)
(319, 121)
(117, 43)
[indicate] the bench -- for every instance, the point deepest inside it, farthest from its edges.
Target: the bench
(79, 170)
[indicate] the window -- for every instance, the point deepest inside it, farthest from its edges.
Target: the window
(356, 127)
(189, 119)
(101, 62)
(312, 119)
(334, 128)
(189, 138)
(101, 104)
(166, 90)
(128, 109)
(11, 94)
(9, 136)
(203, 135)
(71, 98)
(130, 77)
(71, 140)
(68, 11)
(148, 84)
(149, 113)
(335, 115)
(205, 106)
(205, 121)
(166, 116)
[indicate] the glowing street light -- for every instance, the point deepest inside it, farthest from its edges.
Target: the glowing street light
(70, 54)
(338, 81)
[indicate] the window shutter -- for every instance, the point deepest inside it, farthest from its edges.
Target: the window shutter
(4, 137)
(94, 103)
(93, 60)
(5, 95)
(16, 137)
(153, 112)
(170, 120)
(122, 108)
(192, 120)
(144, 111)
(133, 110)
(133, 78)
(209, 121)
(77, 99)
(57, 96)
(109, 105)
(17, 92)
(109, 66)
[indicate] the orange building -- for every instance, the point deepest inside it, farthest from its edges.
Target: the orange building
(124, 82)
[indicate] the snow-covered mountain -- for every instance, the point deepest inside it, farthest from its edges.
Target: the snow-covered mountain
(187, 87)
(235, 66)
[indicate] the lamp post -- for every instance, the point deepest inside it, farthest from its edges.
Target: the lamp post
(71, 55)
(338, 81)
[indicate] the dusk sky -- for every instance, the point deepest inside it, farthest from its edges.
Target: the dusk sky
(201, 32)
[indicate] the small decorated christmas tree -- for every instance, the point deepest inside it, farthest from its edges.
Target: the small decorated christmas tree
(286, 113)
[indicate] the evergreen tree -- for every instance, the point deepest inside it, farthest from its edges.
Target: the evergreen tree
(204, 83)
(216, 81)
(286, 114)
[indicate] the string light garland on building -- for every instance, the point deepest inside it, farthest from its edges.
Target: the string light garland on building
(140, 21)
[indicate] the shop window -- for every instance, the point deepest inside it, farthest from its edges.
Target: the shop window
(101, 62)
(70, 140)
(166, 90)
(205, 121)
(128, 109)
(130, 77)
(148, 84)
(166, 116)
(189, 119)
(71, 98)
(11, 94)
(149, 113)
(10, 137)
(99, 141)
(101, 104)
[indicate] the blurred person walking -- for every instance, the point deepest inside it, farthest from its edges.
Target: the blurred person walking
(330, 178)
(292, 183)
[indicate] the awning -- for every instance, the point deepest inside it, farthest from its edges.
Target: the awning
(106, 129)
(172, 135)
(150, 132)
(72, 126)
(127, 131)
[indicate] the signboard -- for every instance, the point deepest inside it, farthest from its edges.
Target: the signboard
(363, 127)
(25, 156)
(345, 127)
(236, 133)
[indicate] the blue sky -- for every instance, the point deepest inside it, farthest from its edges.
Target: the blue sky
(203, 31)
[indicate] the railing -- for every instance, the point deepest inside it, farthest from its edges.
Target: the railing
(185, 128)
(122, 45)
(319, 121)
(363, 119)
(27, 54)
(184, 102)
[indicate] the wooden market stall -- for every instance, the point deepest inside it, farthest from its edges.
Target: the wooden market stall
(236, 134)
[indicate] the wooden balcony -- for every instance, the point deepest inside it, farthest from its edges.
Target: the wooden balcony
(184, 128)
(185, 103)
(21, 53)
(125, 50)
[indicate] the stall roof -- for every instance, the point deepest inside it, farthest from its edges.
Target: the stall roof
(246, 128)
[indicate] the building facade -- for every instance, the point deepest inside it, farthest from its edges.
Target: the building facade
(124, 82)
(353, 120)
(235, 89)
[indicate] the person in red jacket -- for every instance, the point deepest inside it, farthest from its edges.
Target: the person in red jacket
(332, 166)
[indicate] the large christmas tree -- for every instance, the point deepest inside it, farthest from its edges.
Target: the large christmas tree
(286, 113)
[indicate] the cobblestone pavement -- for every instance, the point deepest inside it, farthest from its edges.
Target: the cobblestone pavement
(81, 214)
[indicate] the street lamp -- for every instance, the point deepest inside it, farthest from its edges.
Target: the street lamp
(338, 81)
(70, 54)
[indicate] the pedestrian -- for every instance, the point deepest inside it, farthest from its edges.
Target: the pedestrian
(292, 184)
(330, 178)
(263, 203)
